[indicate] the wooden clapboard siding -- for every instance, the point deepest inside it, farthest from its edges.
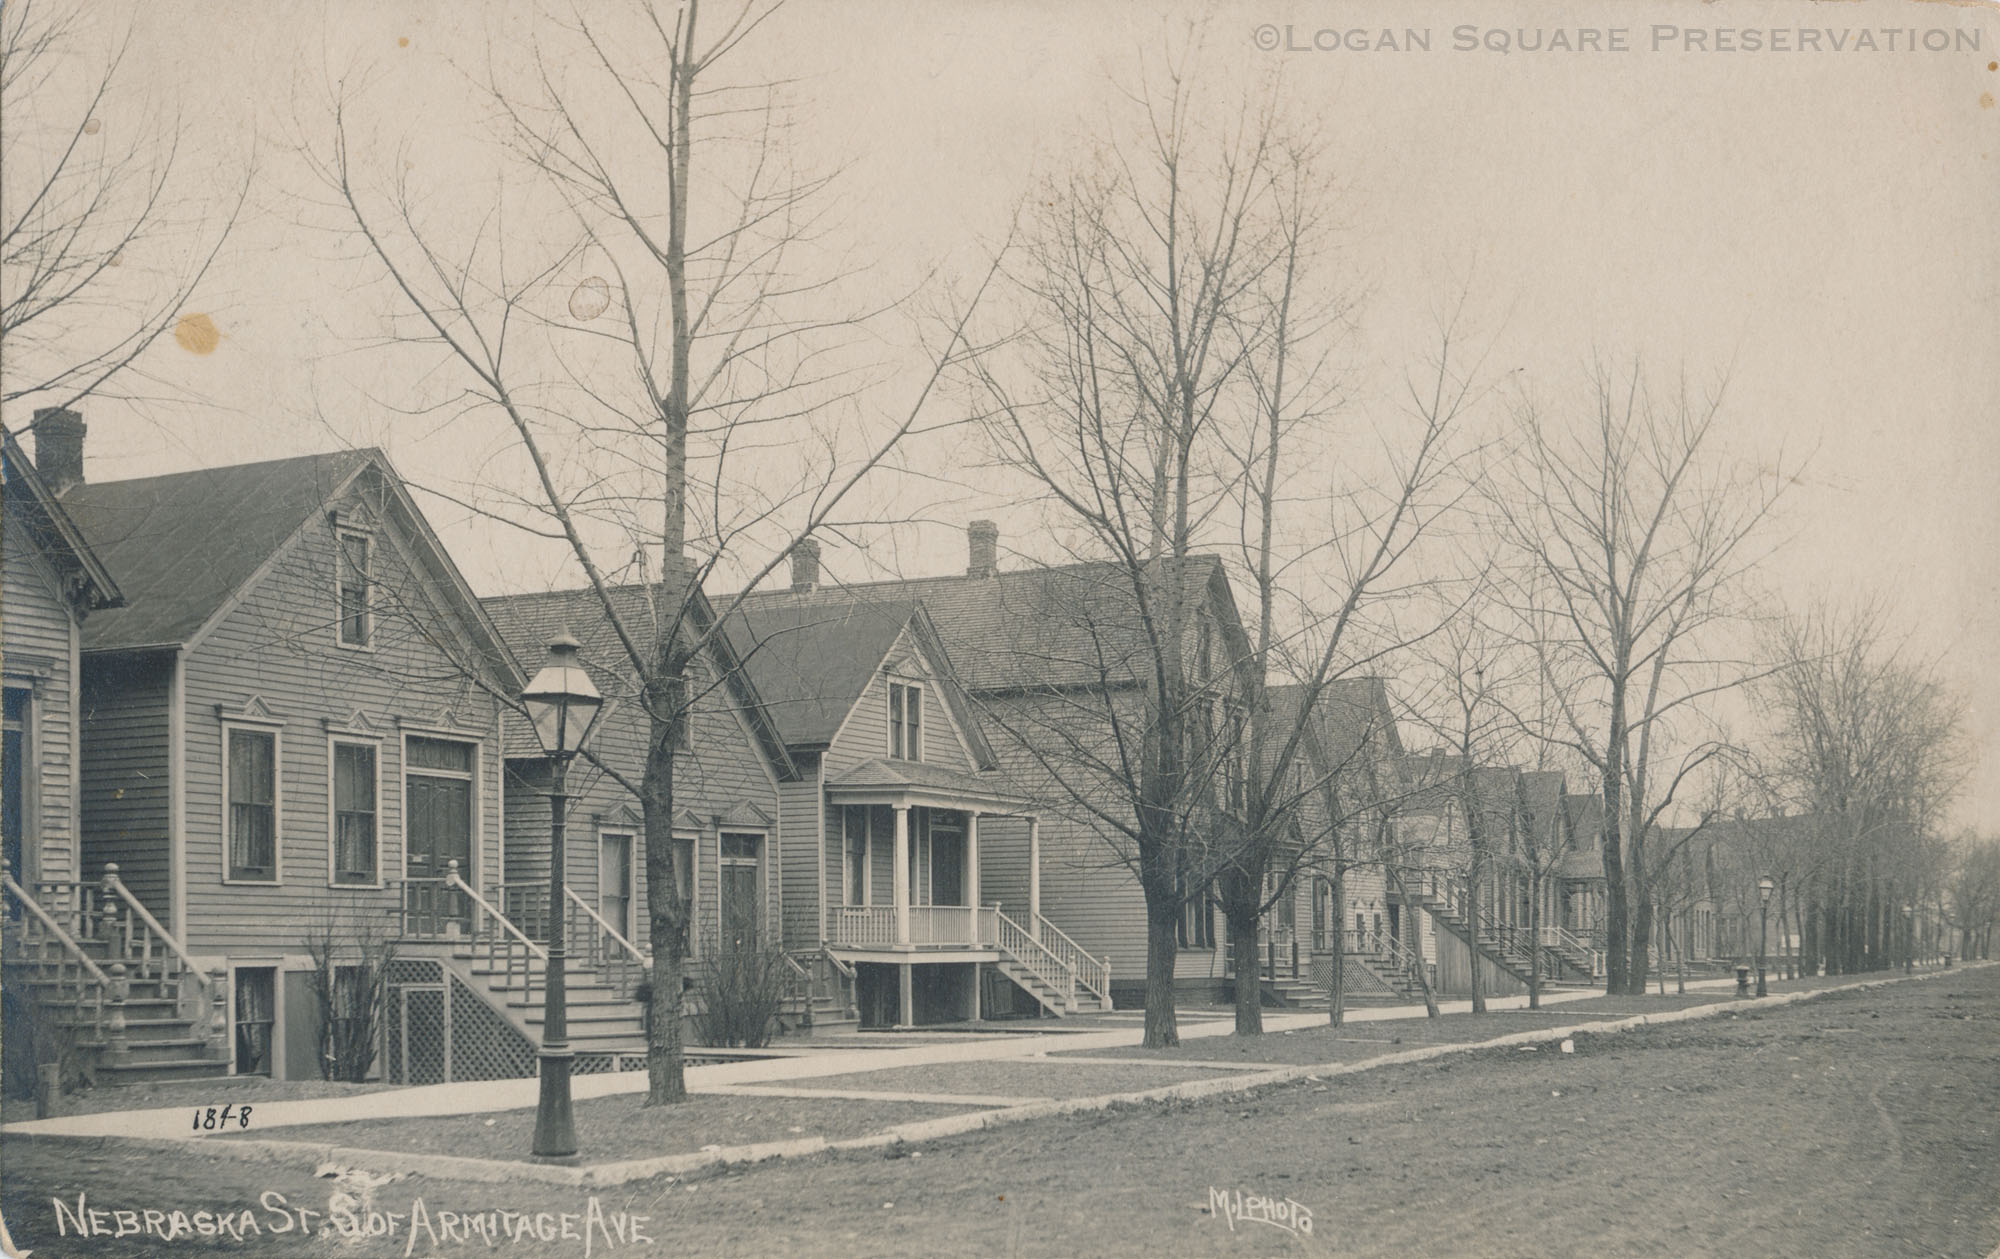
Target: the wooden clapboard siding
(1003, 864)
(276, 647)
(127, 793)
(38, 647)
(799, 830)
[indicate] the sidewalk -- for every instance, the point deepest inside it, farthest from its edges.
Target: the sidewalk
(484, 1096)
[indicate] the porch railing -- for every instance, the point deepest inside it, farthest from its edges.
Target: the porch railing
(449, 907)
(1013, 939)
(864, 926)
(136, 937)
(47, 943)
(943, 924)
(1092, 973)
(603, 948)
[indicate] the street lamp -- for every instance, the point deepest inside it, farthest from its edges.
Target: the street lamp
(562, 705)
(1764, 889)
(1909, 939)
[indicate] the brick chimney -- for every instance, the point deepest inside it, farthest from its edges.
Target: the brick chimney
(982, 543)
(805, 565)
(59, 447)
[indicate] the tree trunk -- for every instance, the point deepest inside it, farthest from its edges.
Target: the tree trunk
(666, 916)
(1162, 920)
(1336, 985)
(1535, 942)
(1240, 896)
(1472, 929)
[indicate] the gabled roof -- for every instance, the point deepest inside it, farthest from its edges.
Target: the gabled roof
(1542, 795)
(1586, 817)
(56, 533)
(530, 621)
(1035, 628)
(184, 545)
(813, 659)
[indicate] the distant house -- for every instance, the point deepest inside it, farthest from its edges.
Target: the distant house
(291, 714)
(1041, 652)
(908, 857)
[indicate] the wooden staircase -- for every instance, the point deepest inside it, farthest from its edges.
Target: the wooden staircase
(1441, 898)
(1050, 967)
(94, 968)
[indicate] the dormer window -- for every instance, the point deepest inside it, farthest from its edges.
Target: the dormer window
(356, 626)
(906, 721)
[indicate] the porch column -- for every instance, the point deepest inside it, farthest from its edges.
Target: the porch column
(906, 1005)
(972, 877)
(1034, 871)
(900, 882)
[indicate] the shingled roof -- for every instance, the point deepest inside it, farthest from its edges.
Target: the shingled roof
(181, 545)
(1024, 629)
(811, 661)
(530, 621)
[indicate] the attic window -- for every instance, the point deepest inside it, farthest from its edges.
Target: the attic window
(356, 625)
(906, 721)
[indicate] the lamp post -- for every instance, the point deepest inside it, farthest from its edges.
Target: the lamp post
(1909, 939)
(562, 705)
(1764, 889)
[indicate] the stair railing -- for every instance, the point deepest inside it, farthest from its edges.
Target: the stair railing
(505, 949)
(75, 970)
(141, 942)
(1037, 960)
(1092, 973)
(605, 948)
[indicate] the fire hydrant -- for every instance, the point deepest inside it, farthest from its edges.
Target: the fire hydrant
(1742, 981)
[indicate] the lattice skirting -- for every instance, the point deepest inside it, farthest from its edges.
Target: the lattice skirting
(437, 1030)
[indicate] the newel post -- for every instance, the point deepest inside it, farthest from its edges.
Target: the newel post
(116, 1047)
(218, 1005)
(449, 925)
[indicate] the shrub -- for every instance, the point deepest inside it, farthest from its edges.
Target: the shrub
(741, 995)
(349, 982)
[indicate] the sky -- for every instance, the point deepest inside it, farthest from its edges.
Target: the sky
(1817, 226)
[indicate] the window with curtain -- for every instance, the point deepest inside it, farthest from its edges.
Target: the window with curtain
(253, 805)
(354, 812)
(906, 721)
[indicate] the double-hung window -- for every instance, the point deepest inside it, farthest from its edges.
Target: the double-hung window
(356, 626)
(906, 721)
(355, 809)
(252, 789)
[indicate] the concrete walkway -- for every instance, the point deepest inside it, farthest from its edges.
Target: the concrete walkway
(485, 1096)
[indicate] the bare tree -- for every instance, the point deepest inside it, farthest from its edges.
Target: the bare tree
(105, 231)
(1871, 742)
(1630, 540)
(663, 377)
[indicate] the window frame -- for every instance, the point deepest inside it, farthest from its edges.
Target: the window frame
(762, 863)
(30, 795)
(275, 731)
(342, 535)
(631, 836)
(693, 839)
(335, 740)
(905, 697)
(274, 1043)
(848, 867)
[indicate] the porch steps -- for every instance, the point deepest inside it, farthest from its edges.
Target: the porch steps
(161, 1043)
(1051, 999)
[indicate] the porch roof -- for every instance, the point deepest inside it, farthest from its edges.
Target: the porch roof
(886, 781)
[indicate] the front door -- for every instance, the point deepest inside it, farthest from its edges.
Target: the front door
(742, 881)
(614, 882)
(947, 865)
(437, 825)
